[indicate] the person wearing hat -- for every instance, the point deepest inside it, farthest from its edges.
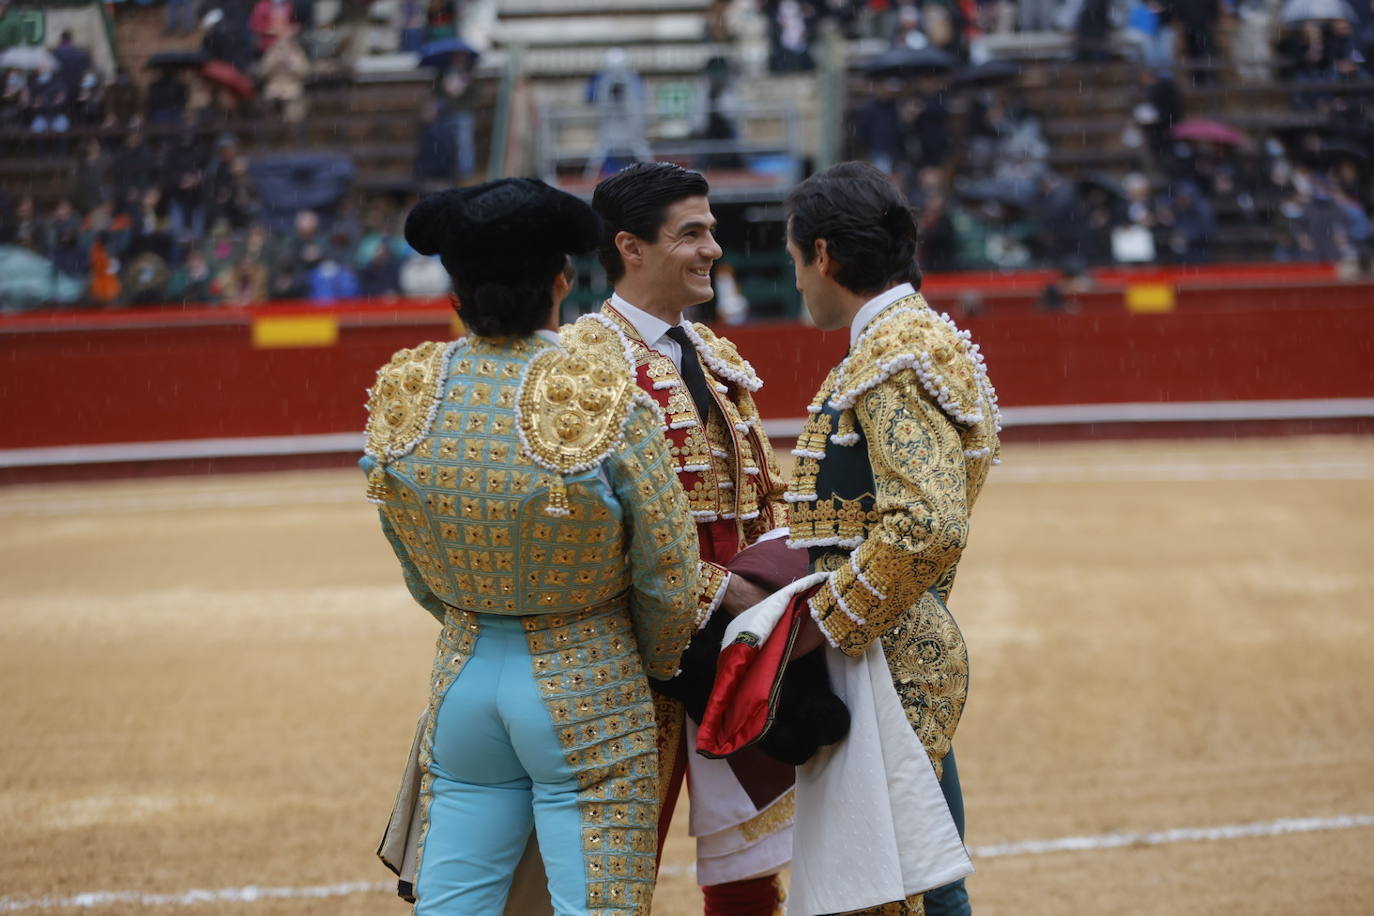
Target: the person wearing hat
(530, 499)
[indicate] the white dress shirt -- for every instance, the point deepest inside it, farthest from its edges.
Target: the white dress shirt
(652, 329)
(873, 306)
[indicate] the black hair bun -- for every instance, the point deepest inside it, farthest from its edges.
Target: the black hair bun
(495, 227)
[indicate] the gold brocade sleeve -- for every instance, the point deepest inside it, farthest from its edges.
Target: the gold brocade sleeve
(662, 539)
(714, 579)
(921, 500)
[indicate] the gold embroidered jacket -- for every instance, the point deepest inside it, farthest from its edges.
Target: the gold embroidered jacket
(516, 478)
(726, 463)
(897, 445)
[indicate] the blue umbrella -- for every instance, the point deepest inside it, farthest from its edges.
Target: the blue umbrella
(439, 53)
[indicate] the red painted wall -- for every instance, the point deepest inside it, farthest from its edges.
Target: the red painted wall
(137, 377)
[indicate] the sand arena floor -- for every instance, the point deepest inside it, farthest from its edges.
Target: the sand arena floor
(210, 684)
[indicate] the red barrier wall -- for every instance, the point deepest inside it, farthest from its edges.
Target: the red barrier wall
(139, 377)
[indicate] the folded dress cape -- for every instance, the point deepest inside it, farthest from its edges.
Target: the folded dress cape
(872, 825)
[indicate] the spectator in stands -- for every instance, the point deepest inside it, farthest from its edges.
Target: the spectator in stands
(307, 249)
(791, 28)
(193, 282)
(930, 198)
(1159, 108)
(878, 127)
(103, 288)
(226, 41)
(148, 233)
(121, 98)
(1006, 141)
(184, 184)
(15, 106)
(246, 280)
(269, 21)
(1151, 24)
(1348, 61)
(945, 25)
(65, 250)
(379, 256)
(620, 98)
(1133, 223)
(908, 32)
(72, 61)
(91, 181)
(1060, 239)
(49, 100)
(1092, 31)
(925, 127)
(167, 97)
(136, 165)
(414, 20)
(716, 121)
(1252, 48)
(283, 69)
(88, 105)
(436, 152)
(1188, 224)
(1359, 232)
(28, 230)
(221, 246)
(439, 19)
(1198, 20)
(232, 197)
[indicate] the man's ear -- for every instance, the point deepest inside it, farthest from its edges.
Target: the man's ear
(630, 247)
(825, 264)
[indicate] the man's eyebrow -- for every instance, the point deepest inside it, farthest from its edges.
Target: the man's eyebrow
(697, 224)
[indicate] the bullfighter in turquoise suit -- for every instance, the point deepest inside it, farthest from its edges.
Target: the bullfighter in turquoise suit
(529, 497)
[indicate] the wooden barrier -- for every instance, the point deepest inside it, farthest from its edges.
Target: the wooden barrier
(86, 379)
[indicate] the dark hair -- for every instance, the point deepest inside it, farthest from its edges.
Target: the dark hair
(634, 200)
(868, 227)
(503, 244)
(508, 307)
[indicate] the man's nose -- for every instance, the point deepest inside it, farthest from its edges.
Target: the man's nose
(712, 248)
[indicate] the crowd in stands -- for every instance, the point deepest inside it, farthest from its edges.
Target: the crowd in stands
(162, 203)
(988, 194)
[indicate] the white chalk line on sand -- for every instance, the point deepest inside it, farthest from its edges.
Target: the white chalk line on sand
(34, 502)
(253, 893)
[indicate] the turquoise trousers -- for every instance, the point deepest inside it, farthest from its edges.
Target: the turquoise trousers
(498, 771)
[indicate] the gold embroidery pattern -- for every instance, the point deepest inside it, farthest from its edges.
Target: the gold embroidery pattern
(466, 493)
(670, 723)
(572, 411)
(451, 653)
(912, 906)
(770, 820)
(592, 682)
(401, 406)
(727, 468)
(928, 658)
(928, 470)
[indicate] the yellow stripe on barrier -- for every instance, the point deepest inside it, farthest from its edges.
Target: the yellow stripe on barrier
(1150, 298)
(295, 331)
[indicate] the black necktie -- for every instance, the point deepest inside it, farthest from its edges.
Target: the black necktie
(691, 372)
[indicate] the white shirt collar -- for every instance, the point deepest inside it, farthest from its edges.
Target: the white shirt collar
(650, 327)
(873, 306)
(546, 334)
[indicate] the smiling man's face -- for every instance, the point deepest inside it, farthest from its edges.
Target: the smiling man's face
(677, 267)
